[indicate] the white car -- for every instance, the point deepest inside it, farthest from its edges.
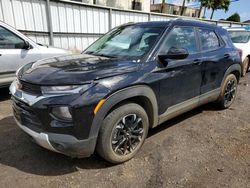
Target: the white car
(17, 50)
(241, 39)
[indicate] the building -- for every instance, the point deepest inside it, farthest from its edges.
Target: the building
(142, 5)
(247, 21)
(174, 9)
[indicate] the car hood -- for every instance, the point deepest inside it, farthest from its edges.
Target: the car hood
(74, 69)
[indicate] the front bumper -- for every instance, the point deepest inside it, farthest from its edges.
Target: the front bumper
(41, 139)
(31, 119)
(65, 144)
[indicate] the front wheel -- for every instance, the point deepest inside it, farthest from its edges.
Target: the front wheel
(122, 133)
(228, 91)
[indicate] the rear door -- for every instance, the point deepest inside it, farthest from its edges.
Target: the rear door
(214, 59)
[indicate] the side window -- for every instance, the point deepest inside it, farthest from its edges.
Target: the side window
(9, 40)
(181, 37)
(209, 40)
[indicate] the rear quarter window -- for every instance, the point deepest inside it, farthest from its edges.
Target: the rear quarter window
(209, 39)
(226, 38)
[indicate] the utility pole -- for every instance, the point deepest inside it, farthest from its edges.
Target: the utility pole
(183, 7)
(162, 5)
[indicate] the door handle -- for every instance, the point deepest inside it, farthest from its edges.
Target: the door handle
(197, 62)
(0, 54)
(226, 56)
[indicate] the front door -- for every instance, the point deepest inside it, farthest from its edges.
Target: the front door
(181, 79)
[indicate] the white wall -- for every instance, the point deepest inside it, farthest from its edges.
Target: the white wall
(74, 25)
(124, 4)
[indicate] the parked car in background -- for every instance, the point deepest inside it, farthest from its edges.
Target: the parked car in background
(17, 50)
(241, 39)
(134, 78)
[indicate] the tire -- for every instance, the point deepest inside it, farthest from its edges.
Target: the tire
(116, 127)
(245, 66)
(228, 92)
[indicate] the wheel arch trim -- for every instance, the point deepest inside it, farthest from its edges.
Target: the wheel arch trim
(119, 96)
(232, 68)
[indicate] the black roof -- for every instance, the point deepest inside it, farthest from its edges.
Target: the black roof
(179, 22)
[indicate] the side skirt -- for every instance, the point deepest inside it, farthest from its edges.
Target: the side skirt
(188, 105)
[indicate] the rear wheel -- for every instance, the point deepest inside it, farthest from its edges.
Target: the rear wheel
(245, 66)
(122, 133)
(228, 92)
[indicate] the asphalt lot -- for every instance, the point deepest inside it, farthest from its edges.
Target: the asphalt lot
(202, 148)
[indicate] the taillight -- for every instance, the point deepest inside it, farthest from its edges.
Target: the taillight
(240, 52)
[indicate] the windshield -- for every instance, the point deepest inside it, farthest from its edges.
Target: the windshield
(132, 41)
(240, 36)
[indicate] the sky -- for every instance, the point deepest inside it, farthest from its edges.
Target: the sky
(242, 7)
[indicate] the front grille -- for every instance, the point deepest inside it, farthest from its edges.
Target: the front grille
(30, 88)
(25, 115)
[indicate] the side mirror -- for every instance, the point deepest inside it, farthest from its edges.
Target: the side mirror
(26, 45)
(174, 53)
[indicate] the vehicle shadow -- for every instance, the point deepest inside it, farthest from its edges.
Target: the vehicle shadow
(4, 94)
(17, 150)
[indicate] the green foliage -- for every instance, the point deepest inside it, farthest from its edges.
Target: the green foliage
(210, 4)
(215, 5)
(234, 17)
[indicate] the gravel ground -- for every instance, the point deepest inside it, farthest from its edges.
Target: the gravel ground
(202, 148)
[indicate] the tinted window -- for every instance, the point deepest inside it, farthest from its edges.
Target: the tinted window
(181, 37)
(9, 40)
(209, 40)
(240, 36)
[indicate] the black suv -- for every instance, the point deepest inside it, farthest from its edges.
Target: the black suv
(133, 78)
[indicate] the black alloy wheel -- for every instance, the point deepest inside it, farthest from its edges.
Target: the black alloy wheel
(123, 133)
(127, 134)
(230, 91)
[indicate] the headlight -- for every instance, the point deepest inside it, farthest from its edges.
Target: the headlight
(65, 89)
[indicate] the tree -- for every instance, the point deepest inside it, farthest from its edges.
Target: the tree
(206, 4)
(210, 4)
(162, 5)
(234, 17)
(183, 6)
(203, 3)
(218, 4)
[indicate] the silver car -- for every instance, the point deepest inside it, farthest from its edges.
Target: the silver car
(17, 50)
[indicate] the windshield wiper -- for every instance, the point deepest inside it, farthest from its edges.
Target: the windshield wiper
(89, 52)
(102, 55)
(105, 55)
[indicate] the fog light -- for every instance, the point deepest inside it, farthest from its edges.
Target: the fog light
(62, 113)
